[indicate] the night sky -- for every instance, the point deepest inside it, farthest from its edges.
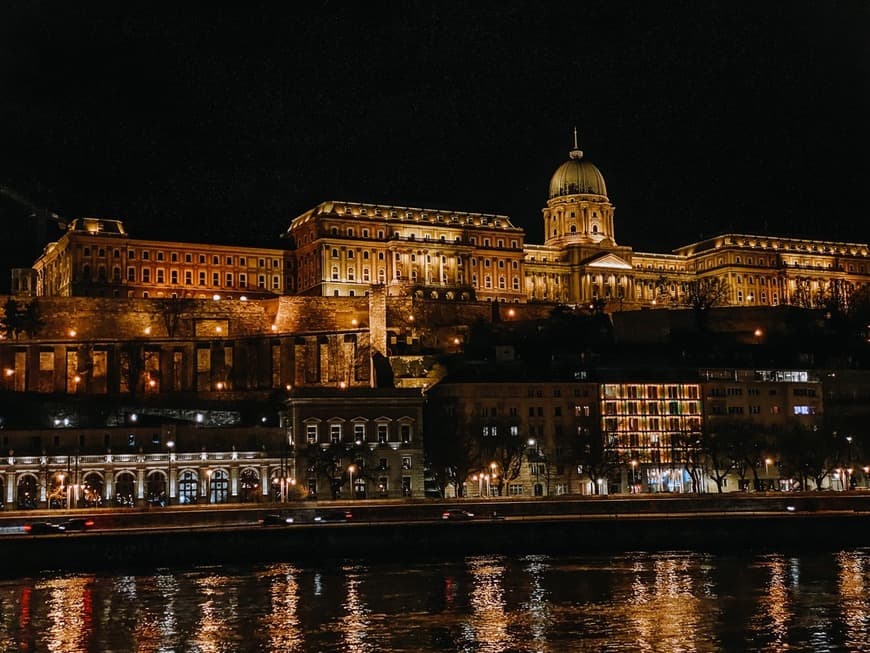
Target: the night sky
(197, 122)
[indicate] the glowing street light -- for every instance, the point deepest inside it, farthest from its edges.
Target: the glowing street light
(350, 470)
(170, 445)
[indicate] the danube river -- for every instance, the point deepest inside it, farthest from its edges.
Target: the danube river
(672, 601)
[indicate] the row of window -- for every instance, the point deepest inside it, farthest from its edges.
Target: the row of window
(175, 257)
(611, 391)
(359, 433)
(202, 277)
(350, 232)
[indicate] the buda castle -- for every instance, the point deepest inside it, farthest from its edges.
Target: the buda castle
(341, 248)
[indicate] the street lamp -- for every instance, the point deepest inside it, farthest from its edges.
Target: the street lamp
(633, 477)
(350, 470)
(170, 445)
(208, 486)
(493, 475)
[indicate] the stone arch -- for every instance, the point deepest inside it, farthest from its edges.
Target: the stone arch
(218, 486)
(249, 485)
(93, 486)
(188, 486)
(27, 492)
(156, 487)
(125, 488)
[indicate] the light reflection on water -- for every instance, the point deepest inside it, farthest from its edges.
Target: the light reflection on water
(675, 601)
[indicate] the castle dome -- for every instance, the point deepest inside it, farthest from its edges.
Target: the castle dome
(576, 176)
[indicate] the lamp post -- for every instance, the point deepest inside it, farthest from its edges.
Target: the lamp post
(633, 477)
(486, 476)
(350, 470)
(62, 477)
(493, 475)
(170, 445)
(208, 486)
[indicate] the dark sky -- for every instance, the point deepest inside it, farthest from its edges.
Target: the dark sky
(215, 124)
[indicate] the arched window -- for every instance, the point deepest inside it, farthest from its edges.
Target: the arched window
(188, 487)
(249, 484)
(219, 487)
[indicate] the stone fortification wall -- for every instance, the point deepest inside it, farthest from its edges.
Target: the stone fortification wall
(93, 318)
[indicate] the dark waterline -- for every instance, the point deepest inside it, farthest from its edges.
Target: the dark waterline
(665, 601)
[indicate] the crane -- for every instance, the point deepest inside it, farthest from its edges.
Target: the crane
(40, 213)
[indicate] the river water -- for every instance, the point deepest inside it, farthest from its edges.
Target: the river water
(675, 601)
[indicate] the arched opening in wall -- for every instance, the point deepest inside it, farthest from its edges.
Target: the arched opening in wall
(573, 228)
(450, 295)
(434, 294)
(92, 490)
(249, 486)
(188, 487)
(156, 490)
(595, 229)
(418, 294)
(56, 491)
(27, 493)
(219, 487)
(125, 484)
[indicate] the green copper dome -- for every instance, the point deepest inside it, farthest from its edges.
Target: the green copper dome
(575, 177)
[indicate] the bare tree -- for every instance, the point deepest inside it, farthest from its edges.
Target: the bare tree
(703, 294)
(131, 366)
(171, 310)
(597, 456)
(802, 295)
(18, 318)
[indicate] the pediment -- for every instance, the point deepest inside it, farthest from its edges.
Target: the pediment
(611, 261)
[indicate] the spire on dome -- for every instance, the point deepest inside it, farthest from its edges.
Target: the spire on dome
(576, 153)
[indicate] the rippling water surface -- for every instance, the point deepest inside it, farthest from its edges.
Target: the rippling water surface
(679, 601)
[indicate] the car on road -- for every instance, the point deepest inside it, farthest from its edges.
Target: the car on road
(457, 514)
(333, 516)
(78, 524)
(42, 528)
(275, 519)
